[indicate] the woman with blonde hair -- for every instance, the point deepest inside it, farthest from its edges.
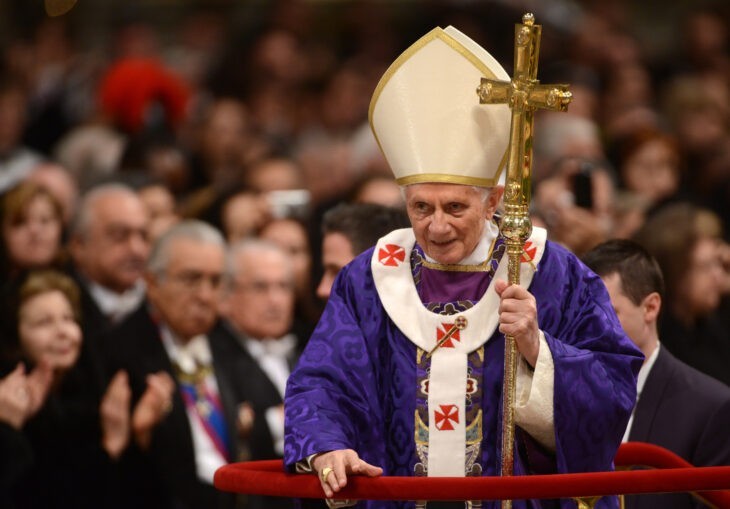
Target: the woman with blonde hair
(32, 228)
(68, 431)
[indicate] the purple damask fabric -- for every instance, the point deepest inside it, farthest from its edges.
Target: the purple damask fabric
(355, 384)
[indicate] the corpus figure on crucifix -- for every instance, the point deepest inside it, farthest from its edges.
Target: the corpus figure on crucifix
(404, 373)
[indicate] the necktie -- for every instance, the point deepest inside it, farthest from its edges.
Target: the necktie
(197, 394)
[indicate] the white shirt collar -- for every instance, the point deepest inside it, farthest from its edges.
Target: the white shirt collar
(272, 356)
(481, 252)
(117, 305)
(640, 381)
(280, 347)
(188, 356)
(645, 370)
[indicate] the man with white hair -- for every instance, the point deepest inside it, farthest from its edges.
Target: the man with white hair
(403, 374)
(109, 246)
(108, 243)
(259, 305)
(177, 344)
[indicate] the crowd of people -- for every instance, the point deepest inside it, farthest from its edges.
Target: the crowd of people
(206, 189)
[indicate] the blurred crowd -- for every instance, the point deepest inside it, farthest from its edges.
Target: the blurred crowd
(237, 144)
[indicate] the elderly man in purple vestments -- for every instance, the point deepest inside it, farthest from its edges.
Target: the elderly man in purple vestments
(403, 374)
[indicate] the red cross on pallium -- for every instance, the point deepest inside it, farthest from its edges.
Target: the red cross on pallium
(447, 415)
(391, 255)
(528, 252)
(442, 331)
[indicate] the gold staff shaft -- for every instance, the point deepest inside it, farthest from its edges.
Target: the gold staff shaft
(524, 95)
(516, 225)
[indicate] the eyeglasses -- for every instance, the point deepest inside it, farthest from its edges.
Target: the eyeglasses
(194, 280)
(264, 287)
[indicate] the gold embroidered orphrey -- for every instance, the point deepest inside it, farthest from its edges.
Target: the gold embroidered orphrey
(524, 94)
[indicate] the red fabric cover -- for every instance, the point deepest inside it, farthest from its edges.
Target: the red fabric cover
(634, 454)
(268, 478)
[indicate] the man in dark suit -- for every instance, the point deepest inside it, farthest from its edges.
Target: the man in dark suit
(678, 407)
(259, 305)
(260, 309)
(175, 346)
(109, 248)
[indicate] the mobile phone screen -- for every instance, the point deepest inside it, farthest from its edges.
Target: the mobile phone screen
(583, 189)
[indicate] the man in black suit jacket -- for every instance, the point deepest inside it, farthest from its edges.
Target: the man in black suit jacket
(260, 309)
(259, 305)
(677, 407)
(176, 347)
(109, 248)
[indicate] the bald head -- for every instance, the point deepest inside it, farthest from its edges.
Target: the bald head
(60, 184)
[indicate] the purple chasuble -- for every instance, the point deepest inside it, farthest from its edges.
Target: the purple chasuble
(356, 383)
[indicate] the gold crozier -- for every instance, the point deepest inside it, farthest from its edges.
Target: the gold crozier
(524, 94)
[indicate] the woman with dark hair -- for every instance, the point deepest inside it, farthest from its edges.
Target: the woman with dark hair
(650, 165)
(686, 240)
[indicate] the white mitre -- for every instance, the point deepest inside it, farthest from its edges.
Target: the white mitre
(426, 116)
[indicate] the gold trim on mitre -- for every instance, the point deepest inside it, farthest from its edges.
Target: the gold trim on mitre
(444, 178)
(425, 167)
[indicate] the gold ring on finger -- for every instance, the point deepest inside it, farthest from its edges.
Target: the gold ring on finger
(324, 473)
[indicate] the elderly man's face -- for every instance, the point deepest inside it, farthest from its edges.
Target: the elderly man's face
(114, 250)
(261, 304)
(186, 295)
(448, 219)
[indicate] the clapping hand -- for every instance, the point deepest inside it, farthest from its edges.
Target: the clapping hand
(114, 414)
(21, 395)
(152, 407)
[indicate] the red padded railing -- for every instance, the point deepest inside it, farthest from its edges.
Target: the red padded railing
(268, 478)
(634, 454)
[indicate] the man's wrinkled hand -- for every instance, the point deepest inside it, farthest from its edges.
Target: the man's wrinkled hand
(333, 467)
(518, 318)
